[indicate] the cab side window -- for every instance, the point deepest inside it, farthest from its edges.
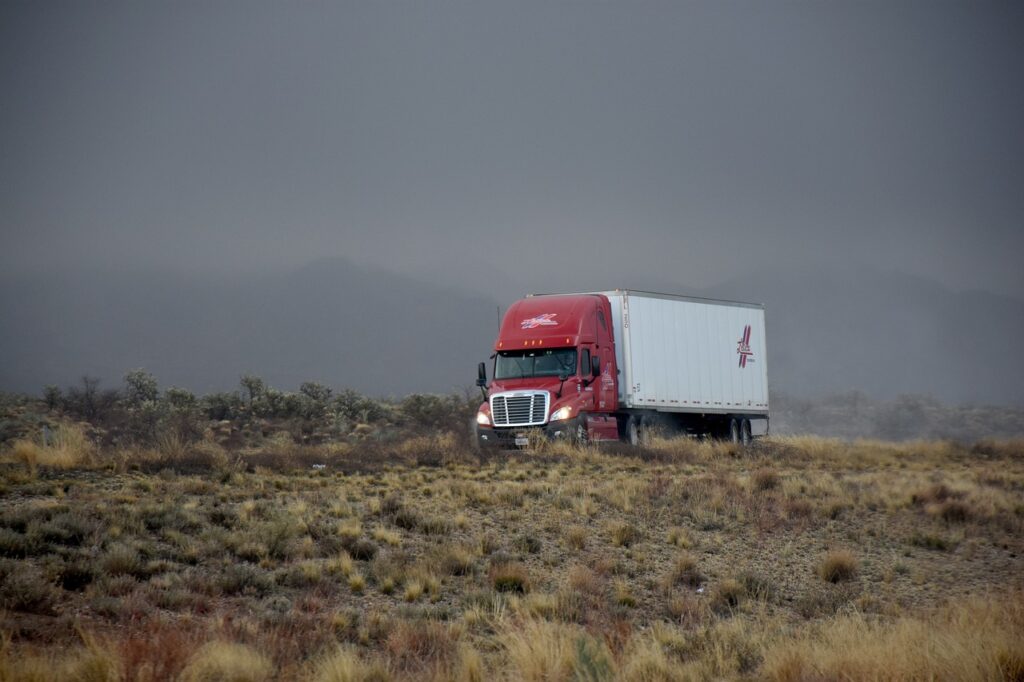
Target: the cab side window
(585, 363)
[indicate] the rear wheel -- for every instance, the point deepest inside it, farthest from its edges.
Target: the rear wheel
(745, 436)
(734, 431)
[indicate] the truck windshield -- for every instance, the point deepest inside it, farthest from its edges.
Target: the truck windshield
(523, 364)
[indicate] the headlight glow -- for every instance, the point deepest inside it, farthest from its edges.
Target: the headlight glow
(483, 418)
(561, 413)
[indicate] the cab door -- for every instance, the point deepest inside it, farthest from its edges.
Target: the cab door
(605, 391)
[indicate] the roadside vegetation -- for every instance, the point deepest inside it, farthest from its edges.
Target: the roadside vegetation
(165, 541)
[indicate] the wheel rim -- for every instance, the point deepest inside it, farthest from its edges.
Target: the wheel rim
(734, 431)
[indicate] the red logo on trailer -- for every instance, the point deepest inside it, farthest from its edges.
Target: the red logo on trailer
(545, 320)
(743, 347)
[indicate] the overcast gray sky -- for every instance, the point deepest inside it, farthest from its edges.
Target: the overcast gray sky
(688, 140)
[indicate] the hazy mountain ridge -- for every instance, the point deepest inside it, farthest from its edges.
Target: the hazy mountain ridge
(830, 331)
(330, 321)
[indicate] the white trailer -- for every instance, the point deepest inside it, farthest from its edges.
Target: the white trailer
(687, 355)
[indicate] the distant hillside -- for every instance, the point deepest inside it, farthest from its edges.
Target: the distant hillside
(331, 321)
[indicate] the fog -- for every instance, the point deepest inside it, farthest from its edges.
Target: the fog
(210, 189)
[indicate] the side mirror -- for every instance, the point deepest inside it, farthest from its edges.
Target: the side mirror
(595, 366)
(481, 375)
(563, 375)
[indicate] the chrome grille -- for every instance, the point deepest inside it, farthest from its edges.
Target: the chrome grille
(528, 408)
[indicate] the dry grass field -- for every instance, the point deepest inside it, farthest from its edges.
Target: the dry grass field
(795, 559)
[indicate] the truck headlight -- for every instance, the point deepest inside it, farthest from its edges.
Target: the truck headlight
(561, 413)
(483, 418)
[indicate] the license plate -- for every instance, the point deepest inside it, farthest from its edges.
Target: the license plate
(522, 441)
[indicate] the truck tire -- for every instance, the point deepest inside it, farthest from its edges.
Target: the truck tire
(635, 431)
(745, 436)
(734, 430)
(579, 433)
(474, 438)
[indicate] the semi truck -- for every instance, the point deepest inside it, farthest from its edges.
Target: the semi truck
(620, 365)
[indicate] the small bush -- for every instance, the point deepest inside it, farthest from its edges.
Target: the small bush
(932, 541)
(527, 543)
(457, 561)
(344, 665)
(576, 537)
(837, 566)
(227, 662)
(765, 479)
(684, 572)
(509, 577)
(727, 595)
(680, 537)
(25, 590)
(624, 534)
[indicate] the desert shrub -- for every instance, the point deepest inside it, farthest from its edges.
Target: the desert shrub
(437, 412)
(88, 401)
(355, 407)
(726, 595)
(456, 560)
(227, 662)
(53, 396)
(247, 579)
(576, 537)
(345, 665)
(970, 640)
(362, 549)
(932, 541)
(527, 543)
(954, 511)
(837, 566)
(16, 545)
(680, 537)
(541, 650)
(23, 588)
(221, 406)
(684, 571)
(509, 577)
(418, 643)
(756, 586)
(253, 388)
(624, 534)
(140, 386)
(89, 663)
(765, 479)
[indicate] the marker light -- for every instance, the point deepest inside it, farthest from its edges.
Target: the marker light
(561, 413)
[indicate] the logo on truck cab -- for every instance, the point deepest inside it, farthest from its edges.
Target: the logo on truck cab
(545, 320)
(743, 347)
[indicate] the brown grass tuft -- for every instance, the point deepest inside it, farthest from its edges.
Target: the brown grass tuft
(220, 661)
(837, 566)
(510, 577)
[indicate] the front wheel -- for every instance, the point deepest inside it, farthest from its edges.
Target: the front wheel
(745, 435)
(579, 435)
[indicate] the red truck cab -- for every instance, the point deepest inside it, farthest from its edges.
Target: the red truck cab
(554, 370)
